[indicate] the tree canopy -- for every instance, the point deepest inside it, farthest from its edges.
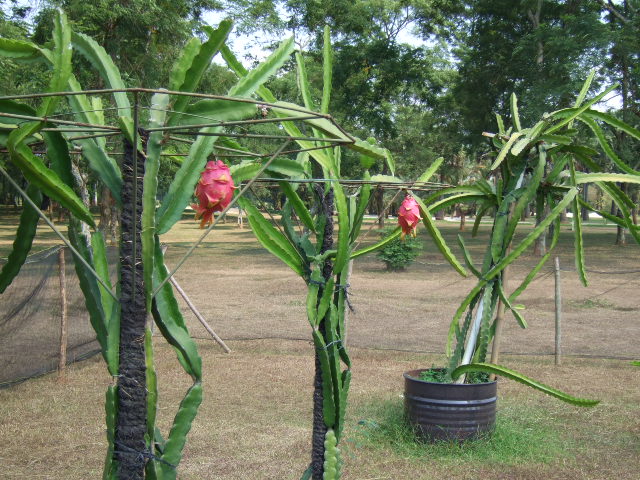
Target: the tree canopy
(425, 77)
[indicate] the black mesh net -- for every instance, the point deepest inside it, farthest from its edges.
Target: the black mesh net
(30, 317)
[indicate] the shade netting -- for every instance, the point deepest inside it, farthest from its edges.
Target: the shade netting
(30, 315)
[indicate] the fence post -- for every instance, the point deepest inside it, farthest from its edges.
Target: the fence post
(347, 310)
(62, 361)
(558, 351)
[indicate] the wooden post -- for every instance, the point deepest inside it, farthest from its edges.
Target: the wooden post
(195, 310)
(62, 361)
(497, 336)
(346, 310)
(558, 312)
(198, 316)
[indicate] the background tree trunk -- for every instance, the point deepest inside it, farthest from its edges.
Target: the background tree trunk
(563, 216)
(109, 216)
(621, 238)
(540, 245)
(463, 217)
(585, 196)
(378, 201)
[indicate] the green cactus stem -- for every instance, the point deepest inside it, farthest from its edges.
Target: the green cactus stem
(332, 459)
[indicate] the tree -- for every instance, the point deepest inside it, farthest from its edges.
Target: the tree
(623, 21)
(142, 36)
(540, 50)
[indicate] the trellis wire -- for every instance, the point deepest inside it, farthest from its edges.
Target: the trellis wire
(92, 130)
(136, 91)
(389, 185)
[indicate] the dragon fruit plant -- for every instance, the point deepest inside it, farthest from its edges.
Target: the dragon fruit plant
(321, 260)
(542, 164)
(321, 257)
(121, 319)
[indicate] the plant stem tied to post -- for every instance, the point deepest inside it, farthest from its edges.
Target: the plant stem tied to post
(319, 426)
(131, 424)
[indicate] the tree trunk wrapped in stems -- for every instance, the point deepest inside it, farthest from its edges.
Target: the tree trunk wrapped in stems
(131, 424)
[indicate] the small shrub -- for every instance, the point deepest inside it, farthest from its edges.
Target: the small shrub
(399, 254)
(440, 375)
(435, 375)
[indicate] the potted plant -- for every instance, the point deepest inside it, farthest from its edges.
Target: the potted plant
(542, 164)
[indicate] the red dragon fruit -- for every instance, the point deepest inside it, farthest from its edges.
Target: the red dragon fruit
(214, 191)
(408, 216)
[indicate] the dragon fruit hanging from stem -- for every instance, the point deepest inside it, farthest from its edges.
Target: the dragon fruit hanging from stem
(408, 216)
(214, 191)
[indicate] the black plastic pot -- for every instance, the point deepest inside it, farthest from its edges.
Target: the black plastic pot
(446, 411)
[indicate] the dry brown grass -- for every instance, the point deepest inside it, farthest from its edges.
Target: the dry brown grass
(255, 420)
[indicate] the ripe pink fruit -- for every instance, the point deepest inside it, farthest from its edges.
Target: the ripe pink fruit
(214, 191)
(408, 216)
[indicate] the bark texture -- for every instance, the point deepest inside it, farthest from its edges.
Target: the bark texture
(131, 423)
(319, 427)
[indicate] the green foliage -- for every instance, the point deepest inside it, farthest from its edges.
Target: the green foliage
(159, 105)
(57, 181)
(192, 67)
(141, 35)
(180, 190)
(539, 51)
(398, 254)
(518, 377)
(272, 239)
(169, 320)
(322, 266)
(435, 375)
(24, 238)
(111, 408)
(172, 449)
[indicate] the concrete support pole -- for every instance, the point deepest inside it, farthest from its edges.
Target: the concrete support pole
(62, 359)
(558, 351)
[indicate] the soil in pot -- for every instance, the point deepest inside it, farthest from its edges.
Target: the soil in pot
(447, 411)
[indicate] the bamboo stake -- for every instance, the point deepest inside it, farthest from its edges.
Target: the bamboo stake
(62, 361)
(558, 351)
(347, 310)
(240, 219)
(497, 336)
(198, 315)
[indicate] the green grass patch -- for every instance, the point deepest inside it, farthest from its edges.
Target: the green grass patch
(522, 435)
(592, 303)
